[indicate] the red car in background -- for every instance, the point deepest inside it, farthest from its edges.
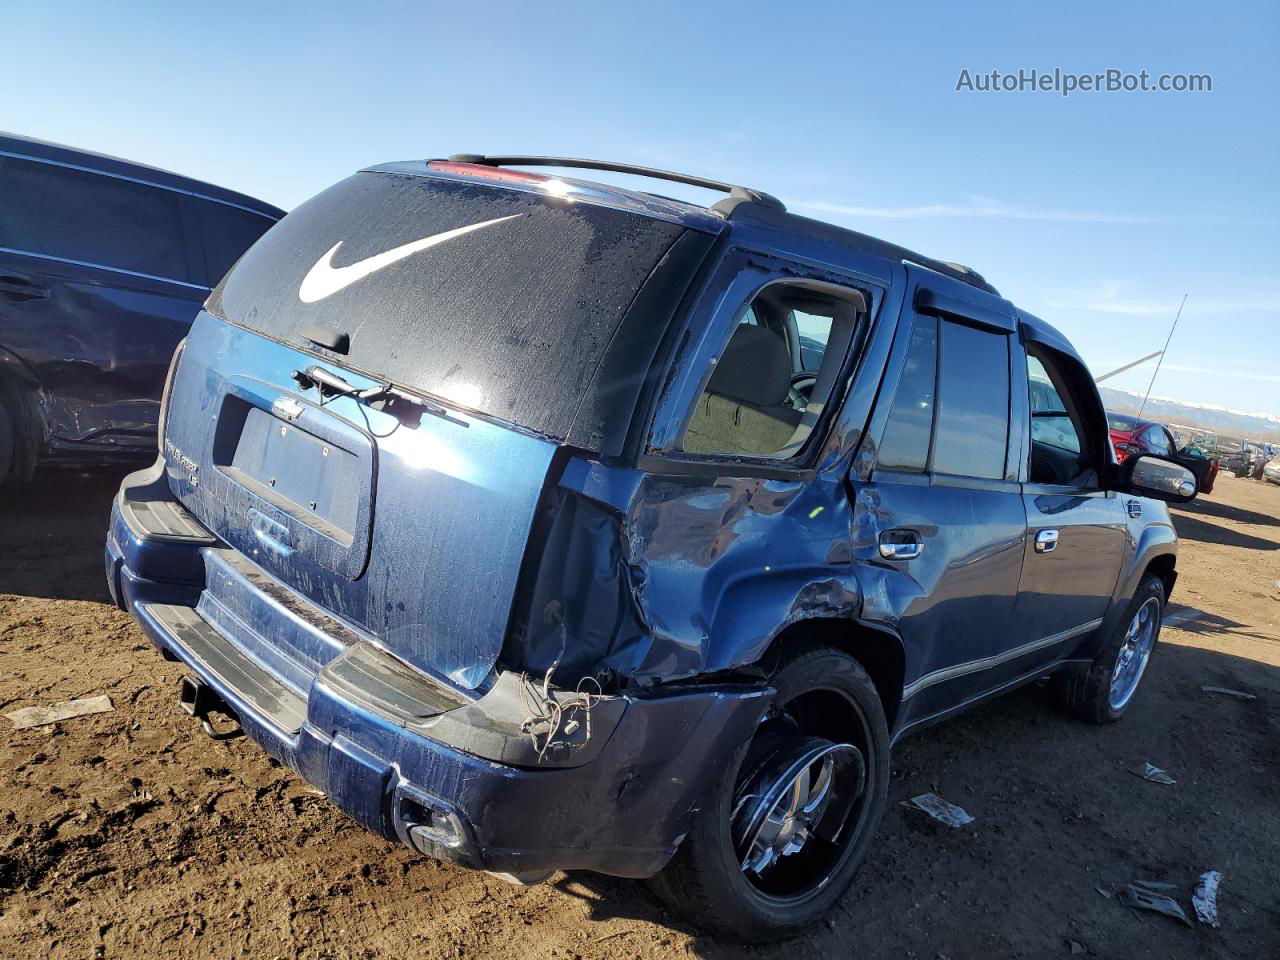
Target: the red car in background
(1130, 435)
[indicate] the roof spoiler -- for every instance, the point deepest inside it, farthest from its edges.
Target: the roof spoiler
(735, 192)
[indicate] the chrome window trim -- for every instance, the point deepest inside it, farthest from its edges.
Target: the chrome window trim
(972, 666)
(138, 180)
(103, 266)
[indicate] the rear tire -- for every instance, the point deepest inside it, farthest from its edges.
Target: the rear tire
(1104, 692)
(823, 695)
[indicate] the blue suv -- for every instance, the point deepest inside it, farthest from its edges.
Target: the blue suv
(103, 265)
(544, 524)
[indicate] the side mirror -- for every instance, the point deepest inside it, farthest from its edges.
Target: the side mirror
(1148, 475)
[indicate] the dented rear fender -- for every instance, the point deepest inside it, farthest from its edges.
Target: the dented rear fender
(644, 578)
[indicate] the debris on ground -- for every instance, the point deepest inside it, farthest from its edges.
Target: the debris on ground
(43, 716)
(1205, 899)
(1149, 895)
(1076, 947)
(1229, 692)
(1149, 771)
(940, 810)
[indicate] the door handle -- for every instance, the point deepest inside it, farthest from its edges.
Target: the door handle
(901, 544)
(1046, 541)
(20, 288)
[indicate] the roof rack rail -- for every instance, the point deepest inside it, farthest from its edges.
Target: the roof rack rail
(735, 192)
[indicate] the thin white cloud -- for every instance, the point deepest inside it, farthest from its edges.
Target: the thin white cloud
(979, 208)
(1233, 374)
(1111, 298)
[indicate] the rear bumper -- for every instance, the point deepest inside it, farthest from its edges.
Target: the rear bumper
(451, 780)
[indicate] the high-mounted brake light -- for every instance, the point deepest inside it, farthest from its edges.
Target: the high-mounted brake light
(485, 172)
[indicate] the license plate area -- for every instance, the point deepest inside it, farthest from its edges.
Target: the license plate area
(314, 478)
(300, 485)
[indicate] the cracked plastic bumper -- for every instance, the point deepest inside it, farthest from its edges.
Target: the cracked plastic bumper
(415, 771)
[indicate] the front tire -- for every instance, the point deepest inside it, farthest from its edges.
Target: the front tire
(1104, 693)
(778, 839)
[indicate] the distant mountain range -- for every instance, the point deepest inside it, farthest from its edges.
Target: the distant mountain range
(1227, 424)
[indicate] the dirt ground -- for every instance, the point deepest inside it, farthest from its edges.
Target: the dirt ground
(130, 834)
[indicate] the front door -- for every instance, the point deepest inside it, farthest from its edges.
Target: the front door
(1075, 530)
(939, 523)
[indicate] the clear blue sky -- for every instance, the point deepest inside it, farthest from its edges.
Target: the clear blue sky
(1097, 211)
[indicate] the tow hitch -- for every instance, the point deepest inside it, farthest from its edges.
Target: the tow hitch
(198, 699)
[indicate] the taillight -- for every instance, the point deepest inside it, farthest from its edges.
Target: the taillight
(164, 394)
(486, 172)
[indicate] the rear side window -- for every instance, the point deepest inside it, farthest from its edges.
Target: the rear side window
(905, 445)
(973, 408)
(954, 392)
(228, 232)
(812, 332)
(77, 215)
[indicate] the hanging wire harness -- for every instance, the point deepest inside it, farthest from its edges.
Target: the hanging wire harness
(554, 724)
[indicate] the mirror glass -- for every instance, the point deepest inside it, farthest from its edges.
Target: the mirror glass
(1162, 478)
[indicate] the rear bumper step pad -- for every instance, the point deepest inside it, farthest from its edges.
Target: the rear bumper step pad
(218, 659)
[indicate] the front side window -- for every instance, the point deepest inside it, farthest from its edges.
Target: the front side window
(812, 332)
(772, 381)
(1050, 422)
(972, 432)
(1059, 452)
(96, 219)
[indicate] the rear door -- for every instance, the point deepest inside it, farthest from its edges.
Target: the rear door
(98, 282)
(940, 524)
(1076, 532)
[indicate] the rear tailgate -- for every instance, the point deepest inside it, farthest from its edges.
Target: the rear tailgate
(408, 522)
(412, 534)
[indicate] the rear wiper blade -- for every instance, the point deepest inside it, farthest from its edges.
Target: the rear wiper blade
(330, 383)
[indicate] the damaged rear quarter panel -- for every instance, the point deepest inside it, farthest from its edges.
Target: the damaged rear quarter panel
(726, 565)
(695, 568)
(662, 577)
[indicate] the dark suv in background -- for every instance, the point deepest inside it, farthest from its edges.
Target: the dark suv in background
(549, 525)
(103, 266)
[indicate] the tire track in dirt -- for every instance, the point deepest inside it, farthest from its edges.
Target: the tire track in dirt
(131, 835)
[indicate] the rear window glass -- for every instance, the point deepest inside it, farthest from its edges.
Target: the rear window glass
(510, 318)
(93, 218)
